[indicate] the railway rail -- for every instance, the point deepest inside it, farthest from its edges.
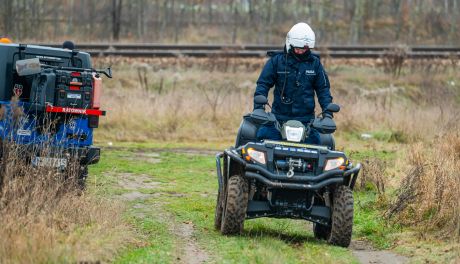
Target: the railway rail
(252, 51)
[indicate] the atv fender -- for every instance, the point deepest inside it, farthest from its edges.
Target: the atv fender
(327, 140)
(247, 132)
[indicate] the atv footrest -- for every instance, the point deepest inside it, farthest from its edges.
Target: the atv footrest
(321, 211)
(258, 206)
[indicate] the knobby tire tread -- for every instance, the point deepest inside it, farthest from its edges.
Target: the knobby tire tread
(342, 217)
(236, 206)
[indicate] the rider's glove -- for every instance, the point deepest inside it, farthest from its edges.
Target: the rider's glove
(258, 106)
(327, 114)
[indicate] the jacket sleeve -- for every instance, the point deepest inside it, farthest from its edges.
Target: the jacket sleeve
(266, 80)
(322, 88)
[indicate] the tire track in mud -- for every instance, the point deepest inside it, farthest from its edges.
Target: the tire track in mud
(187, 249)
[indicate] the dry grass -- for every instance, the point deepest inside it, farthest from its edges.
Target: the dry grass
(416, 104)
(373, 175)
(187, 99)
(429, 194)
(46, 218)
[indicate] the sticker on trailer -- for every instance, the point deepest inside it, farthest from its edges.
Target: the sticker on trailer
(17, 90)
(73, 96)
(24, 132)
(72, 124)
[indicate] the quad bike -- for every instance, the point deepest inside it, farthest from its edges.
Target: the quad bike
(286, 179)
(58, 94)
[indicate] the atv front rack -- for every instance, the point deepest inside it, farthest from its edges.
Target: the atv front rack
(274, 180)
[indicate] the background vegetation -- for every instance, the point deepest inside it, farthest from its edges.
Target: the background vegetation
(166, 118)
(232, 21)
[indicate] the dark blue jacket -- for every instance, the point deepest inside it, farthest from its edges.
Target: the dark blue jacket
(303, 79)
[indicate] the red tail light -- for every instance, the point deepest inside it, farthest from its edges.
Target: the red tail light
(97, 90)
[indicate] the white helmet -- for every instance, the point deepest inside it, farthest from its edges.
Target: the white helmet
(300, 35)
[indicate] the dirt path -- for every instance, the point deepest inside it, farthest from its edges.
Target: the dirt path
(188, 251)
(191, 252)
(366, 254)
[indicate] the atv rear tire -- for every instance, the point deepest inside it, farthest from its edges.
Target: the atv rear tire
(236, 205)
(219, 211)
(342, 217)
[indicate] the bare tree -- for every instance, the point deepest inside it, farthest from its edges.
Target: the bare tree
(356, 22)
(7, 15)
(116, 19)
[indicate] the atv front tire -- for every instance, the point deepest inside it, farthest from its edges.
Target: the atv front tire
(219, 211)
(342, 217)
(236, 205)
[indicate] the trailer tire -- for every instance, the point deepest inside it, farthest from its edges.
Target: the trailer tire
(236, 205)
(342, 217)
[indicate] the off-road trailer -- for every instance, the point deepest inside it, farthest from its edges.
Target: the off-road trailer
(57, 92)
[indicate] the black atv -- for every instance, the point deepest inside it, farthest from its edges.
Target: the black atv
(286, 179)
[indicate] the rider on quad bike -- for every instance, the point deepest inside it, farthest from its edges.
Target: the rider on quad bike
(284, 163)
(297, 75)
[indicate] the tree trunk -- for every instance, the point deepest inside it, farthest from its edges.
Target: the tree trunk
(235, 21)
(453, 23)
(210, 13)
(116, 19)
(268, 22)
(7, 16)
(355, 32)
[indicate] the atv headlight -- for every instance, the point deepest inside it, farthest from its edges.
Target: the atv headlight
(256, 155)
(294, 134)
(293, 131)
(334, 163)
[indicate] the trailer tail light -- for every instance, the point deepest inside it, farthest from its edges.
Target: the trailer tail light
(97, 91)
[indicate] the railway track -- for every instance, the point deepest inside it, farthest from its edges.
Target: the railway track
(254, 51)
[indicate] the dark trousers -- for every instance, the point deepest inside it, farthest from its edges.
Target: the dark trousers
(270, 132)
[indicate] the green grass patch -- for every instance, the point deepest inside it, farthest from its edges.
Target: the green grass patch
(189, 189)
(369, 222)
(159, 242)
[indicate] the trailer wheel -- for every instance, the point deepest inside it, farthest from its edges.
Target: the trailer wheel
(236, 205)
(342, 217)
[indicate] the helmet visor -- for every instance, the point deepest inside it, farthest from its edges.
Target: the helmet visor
(298, 43)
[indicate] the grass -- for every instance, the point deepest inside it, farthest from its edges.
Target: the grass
(186, 195)
(47, 219)
(188, 192)
(177, 109)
